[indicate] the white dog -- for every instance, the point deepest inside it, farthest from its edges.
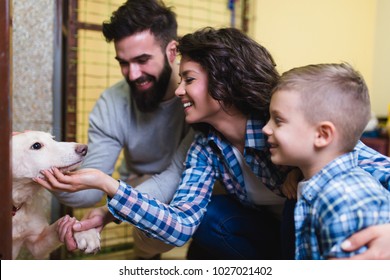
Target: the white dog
(33, 151)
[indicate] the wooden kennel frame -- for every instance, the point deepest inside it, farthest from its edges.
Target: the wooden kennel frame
(5, 132)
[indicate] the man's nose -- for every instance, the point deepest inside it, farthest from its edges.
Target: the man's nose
(134, 72)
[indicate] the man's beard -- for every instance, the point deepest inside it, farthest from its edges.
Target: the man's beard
(148, 100)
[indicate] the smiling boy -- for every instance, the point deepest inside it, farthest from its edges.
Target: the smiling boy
(318, 113)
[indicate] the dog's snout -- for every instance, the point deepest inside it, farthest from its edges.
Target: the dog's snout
(81, 149)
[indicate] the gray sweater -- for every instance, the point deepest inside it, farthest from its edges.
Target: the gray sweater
(152, 144)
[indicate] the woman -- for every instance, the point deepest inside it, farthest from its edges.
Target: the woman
(225, 88)
(226, 81)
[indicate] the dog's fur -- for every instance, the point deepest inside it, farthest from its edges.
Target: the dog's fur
(33, 151)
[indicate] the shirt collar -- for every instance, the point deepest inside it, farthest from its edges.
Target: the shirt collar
(312, 187)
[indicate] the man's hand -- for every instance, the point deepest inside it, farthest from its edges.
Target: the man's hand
(65, 233)
(96, 218)
(290, 185)
(376, 238)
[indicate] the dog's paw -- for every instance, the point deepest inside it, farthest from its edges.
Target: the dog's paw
(88, 241)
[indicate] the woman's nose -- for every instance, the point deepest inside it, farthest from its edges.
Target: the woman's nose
(180, 91)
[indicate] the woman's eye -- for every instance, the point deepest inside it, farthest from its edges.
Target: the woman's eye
(189, 80)
(36, 146)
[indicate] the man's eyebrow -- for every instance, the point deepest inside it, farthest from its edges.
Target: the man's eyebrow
(119, 59)
(142, 56)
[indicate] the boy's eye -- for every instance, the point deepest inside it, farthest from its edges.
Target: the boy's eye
(277, 120)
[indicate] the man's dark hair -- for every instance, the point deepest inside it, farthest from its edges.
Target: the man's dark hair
(136, 16)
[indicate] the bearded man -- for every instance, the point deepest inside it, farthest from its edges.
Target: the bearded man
(140, 114)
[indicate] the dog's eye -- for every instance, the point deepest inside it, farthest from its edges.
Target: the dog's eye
(36, 146)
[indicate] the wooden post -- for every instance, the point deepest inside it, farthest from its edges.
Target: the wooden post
(5, 133)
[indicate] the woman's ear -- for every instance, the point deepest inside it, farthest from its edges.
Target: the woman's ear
(171, 51)
(325, 134)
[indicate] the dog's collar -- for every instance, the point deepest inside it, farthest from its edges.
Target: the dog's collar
(16, 209)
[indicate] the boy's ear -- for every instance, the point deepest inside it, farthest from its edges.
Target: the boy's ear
(325, 134)
(171, 51)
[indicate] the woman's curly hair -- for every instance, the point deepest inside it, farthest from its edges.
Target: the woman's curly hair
(241, 72)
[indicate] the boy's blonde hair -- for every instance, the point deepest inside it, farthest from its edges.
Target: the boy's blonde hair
(331, 92)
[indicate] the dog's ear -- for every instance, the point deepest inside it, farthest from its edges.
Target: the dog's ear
(51, 135)
(20, 170)
(19, 166)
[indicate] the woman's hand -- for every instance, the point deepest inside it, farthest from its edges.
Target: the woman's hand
(82, 179)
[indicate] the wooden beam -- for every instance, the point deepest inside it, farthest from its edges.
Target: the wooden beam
(5, 133)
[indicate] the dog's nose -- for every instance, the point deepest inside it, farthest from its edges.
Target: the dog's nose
(81, 149)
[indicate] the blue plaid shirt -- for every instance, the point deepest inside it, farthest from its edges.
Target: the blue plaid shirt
(209, 158)
(338, 201)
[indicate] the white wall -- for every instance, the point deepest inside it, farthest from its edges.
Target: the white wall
(381, 64)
